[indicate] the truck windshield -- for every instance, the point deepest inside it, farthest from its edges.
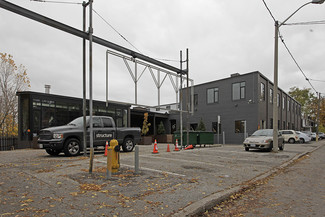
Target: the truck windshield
(78, 121)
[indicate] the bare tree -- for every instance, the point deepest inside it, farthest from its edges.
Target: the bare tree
(13, 78)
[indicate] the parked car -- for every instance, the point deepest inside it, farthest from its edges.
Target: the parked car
(303, 137)
(307, 132)
(263, 139)
(69, 138)
(313, 136)
(290, 136)
(321, 135)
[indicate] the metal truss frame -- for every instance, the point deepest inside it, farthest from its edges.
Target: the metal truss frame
(158, 79)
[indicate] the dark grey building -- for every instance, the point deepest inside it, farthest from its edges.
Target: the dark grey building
(40, 110)
(37, 111)
(239, 99)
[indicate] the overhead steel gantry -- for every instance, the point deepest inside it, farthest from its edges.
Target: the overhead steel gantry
(158, 79)
(91, 38)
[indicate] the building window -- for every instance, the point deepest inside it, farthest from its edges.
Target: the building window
(271, 95)
(238, 91)
(193, 127)
(215, 127)
(239, 126)
(278, 100)
(283, 103)
(262, 97)
(213, 95)
(288, 105)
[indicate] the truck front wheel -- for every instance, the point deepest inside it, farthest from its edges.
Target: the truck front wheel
(52, 152)
(72, 147)
(128, 144)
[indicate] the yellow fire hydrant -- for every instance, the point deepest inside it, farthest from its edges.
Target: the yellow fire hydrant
(113, 156)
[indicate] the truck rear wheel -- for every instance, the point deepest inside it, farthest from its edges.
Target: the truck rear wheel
(128, 144)
(72, 147)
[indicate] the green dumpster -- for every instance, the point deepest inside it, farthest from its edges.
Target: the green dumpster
(205, 138)
(193, 138)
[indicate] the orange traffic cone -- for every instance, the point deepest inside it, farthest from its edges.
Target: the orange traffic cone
(189, 147)
(106, 147)
(168, 150)
(155, 148)
(176, 146)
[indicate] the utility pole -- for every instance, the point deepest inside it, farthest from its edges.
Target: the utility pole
(275, 91)
(318, 121)
(84, 102)
(181, 100)
(91, 86)
(187, 102)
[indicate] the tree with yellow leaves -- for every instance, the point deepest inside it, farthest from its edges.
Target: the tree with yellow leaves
(13, 78)
(146, 125)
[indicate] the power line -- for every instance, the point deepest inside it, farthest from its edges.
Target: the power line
(269, 11)
(282, 40)
(59, 2)
(307, 79)
(116, 31)
(167, 60)
(316, 80)
(306, 23)
(124, 38)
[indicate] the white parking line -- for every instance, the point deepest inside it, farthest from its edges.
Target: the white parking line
(148, 169)
(154, 170)
(182, 160)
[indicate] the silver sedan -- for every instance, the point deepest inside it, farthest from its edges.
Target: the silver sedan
(262, 139)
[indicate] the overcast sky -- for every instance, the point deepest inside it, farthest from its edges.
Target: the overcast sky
(223, 37)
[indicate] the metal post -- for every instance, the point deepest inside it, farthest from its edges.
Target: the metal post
(84, 106)
(136, 82)
(275, 91)
(91, 83)
(136, 157)
(109, 163)
(106, 79)
(177, 91)
(192, 96)
(187, 102)
(318, 121)
(218, 129)
(181, 101)
(223, 137)
(245, 131)
(158, 87)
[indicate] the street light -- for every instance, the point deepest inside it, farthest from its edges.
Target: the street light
(275, 91)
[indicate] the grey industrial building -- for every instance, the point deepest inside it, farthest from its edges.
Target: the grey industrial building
(239, 99)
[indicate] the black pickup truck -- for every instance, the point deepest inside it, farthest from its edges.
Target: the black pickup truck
(69, 138)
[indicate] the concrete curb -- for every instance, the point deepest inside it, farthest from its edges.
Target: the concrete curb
(215, 198)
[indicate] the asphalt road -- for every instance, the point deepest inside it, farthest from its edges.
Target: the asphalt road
(297, 190)
(33, 183)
